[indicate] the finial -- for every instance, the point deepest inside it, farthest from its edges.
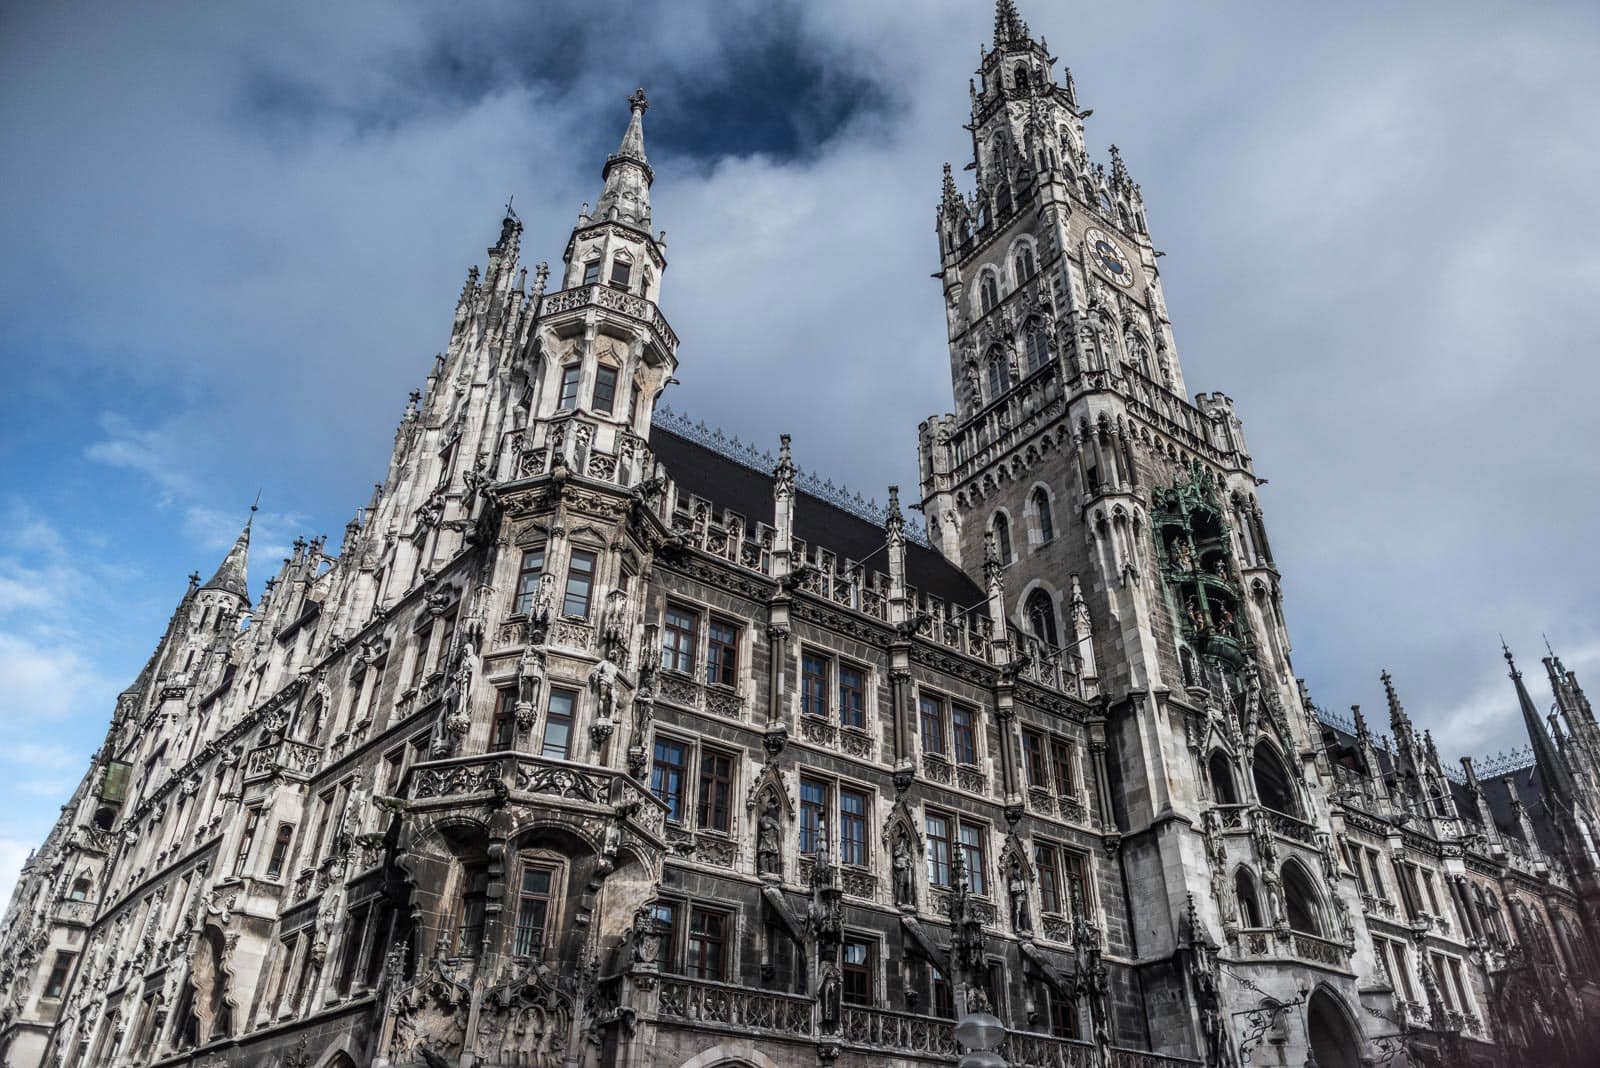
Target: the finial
(509, 210)
(1547, 648)
(1506, 650)
(638, 101)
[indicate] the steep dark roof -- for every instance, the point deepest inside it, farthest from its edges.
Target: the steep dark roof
(727, 483)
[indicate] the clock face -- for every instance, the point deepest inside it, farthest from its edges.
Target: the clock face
(1108, 257)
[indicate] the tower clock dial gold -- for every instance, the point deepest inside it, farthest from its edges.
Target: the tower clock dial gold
(1108, 256)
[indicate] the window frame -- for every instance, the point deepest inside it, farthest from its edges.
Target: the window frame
(852, 712)
(528, 580)
(675, 800)
(608, 377)
(722, 653)
(710, 783)
(865, 973)
(570, 383)
(591, 271)
(723, 940)
(680, 638)
(940, 856)
(1047, 863)
(570, 718)
(814, 687)
(964, 748)
(935, 703)
(1035, 757)
(977, 872)
(551, 867)
(585, 599)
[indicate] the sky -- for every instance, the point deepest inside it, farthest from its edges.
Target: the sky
(233, 236)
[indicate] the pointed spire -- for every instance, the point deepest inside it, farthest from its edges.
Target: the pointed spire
(626, 196)
(1008, 24)
(233, 574)
(1399, 722)
(1552, 767)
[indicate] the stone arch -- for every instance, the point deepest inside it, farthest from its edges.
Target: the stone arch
(1333, 1037)
(1301, 902)
(1249, 898)
(1022, 251)
(731, 1053)
(1274, 785)
(1039, 609)
(1219, 769)
(1040, 514)
(1000, 527)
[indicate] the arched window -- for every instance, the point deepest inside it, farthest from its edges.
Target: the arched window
(1024, 264)
(80, 889)
(1047, 523)
(1222, 787)
(999, 376)
(1002, 538)
(1019, 76)
(591, 271)
(989, 293)
(1244, 888)
(1038, 343)
(1300, 901)
(1273, 787)
(1139, 353)
(1041, 615)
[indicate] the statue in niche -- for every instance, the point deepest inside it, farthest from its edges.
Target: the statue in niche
(1017, 890)
(769, 840)
(905, 886)
(604, 681)
(828, 994)
(614, 624)
(1184, 555)
(530, 679)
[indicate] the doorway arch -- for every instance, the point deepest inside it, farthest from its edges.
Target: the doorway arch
(1333, 1040)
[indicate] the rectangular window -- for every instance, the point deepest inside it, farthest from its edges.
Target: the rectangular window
(569, 387)
(1401, 966)
(937, 829)
(813, 813)
(1378, 889)
(706, 951)
(1075, 882)
(716, 790)
(1048, 861)
(57, 983)
(1353, 857)
(1462, 1003)
(1033, 759)
(558, 724)
(931, 716)
(355, 933)
(580, 582)
(722, 653)
(247, 840)
(852, 827)
(1061, 758)
(591, 272)
(941, 995)
(1442, 977)
(1433, 898)
(605, 389)
(964, 733)
(973, 856)
(504, 733)
(533, 910)
(813, 684)
(860, 965)
(665, 915)
(621, 273)
(667, 774)
(280, 850)
(852, 696)
(474, 896)
(528, 579)
(1063, 1020)
(678, 629)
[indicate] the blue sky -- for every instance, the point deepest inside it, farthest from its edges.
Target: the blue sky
(233, 236)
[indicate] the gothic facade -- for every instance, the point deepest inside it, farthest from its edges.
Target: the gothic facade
(601, 740)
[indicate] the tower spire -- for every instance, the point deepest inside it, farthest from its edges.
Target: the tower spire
(233, 575)
(626, 196)
(1552, 766)
(1008, 24)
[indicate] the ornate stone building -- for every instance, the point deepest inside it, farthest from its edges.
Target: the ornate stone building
(602, 740)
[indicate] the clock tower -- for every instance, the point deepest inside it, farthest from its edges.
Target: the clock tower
(1125, 520)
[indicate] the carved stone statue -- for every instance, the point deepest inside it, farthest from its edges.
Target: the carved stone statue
(614, 624)
(905, 886)
(769, 840)
(1017, 890)
(603, 680)
(828, 994)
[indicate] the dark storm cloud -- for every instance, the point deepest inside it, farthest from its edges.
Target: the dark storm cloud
(240, 232)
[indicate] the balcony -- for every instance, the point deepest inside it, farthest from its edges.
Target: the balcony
(602, 296)
(295, 760)
(563, 786)
(877, 1031)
